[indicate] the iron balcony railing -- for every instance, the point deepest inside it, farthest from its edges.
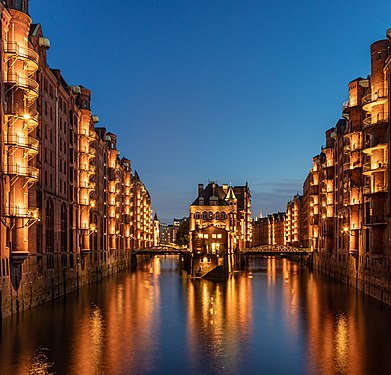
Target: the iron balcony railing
(21, 211)
(375, 220)
(379, 188)
(22, 171)
(372, 120)
(24, 142)
(376, 141)
(22, 82)
(374, 96)
(13, 48)
(374, 167)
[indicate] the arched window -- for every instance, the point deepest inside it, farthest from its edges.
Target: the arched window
(197, 215)
(223, 216)
(50, 233)
(210, 215)
(217, 216)
(204, 216)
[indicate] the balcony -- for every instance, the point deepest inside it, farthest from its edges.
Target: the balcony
(27, 55)
(347, 148)
(21, 211)
(375, 143)
(345, 110)
(29, 85)
(84, 168)
(31, 145)
(92, 169)
(91, 186)
(31, 173)
(351, 202)
(379, 188)
(84, 202)
(375, 220)
(378, 119)
(373, 99)
(31, 120)
(87, 133)
(374, 167)
(92, 152)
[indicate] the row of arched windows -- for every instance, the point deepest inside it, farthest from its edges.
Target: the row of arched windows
(210, 215)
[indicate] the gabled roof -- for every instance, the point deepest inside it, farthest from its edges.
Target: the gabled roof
(212, 190)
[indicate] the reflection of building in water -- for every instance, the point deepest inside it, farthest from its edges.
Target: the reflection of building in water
(219, 322)
(336, 341)
(132, 312)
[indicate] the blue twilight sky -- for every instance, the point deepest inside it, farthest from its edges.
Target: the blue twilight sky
(224, 90)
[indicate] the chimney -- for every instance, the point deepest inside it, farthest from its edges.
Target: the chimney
(200, 189)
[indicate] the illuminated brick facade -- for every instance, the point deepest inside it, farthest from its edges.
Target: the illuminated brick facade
(349, 184)
(226, 209)
(71, 209)
(269, 230)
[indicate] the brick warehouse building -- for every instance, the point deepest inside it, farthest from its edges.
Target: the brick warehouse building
(347, 203)
(71, 209)
(220, 223)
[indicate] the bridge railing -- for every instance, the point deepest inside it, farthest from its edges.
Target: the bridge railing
(163, 249)
(276, 249)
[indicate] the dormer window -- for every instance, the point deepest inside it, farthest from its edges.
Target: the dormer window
(201, 201)
(214, 201)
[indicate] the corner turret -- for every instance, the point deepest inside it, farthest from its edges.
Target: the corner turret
(21, 5)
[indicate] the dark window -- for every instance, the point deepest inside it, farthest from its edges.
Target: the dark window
(49, 233)
(63, 229)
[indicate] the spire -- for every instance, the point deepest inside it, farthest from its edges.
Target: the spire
(155, 218)
(230, 195)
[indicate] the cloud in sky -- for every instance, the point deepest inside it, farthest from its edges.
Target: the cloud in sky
(272, 196)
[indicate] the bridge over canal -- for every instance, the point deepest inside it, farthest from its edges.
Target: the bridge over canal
(276, 250)
(238, 260)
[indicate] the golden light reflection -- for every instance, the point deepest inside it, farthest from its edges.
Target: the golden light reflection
(219, 319)
(341, 343)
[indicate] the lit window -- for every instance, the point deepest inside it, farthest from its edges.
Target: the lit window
(214, 235)
(210, 215)
(206, 236)
(219, 236)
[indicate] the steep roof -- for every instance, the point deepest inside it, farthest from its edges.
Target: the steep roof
(212, 190)
(230, 195)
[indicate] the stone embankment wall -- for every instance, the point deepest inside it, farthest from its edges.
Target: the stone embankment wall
(27, 287)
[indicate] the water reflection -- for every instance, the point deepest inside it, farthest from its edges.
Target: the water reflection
(275, 318)
(218, 324)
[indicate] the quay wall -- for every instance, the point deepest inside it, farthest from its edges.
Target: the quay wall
(27, 286)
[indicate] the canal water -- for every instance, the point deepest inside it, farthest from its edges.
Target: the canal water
(275, 318)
